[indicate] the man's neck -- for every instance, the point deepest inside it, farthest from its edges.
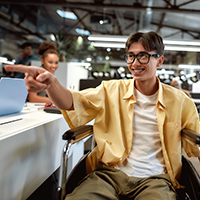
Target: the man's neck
(147, 88)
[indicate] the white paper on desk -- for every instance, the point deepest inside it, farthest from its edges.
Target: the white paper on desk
(35, 105)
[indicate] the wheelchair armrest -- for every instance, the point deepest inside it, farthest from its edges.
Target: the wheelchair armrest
(191, 135)
(78, 133)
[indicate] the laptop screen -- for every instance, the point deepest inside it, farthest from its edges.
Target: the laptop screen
(13, 95)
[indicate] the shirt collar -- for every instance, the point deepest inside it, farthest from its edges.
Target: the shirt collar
(161, 100)
(130, 93)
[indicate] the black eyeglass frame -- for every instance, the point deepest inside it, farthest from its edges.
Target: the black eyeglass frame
(136, 56)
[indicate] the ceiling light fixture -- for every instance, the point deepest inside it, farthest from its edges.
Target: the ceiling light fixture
(108, 38)
(109, 44)
(182, 48)
(103, 22)
(115, 38)
(185, 66)
(167, 47)
(119, 41)
(182, 42)
(82, 32)
(67, 14)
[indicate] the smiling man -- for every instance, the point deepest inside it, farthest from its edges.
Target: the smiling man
(144, 55)
(137, 126)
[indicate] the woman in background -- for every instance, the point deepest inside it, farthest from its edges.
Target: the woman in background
(49, 60)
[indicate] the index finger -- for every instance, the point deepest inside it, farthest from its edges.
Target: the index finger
(17, 68)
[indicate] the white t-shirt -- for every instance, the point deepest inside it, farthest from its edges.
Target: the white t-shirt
(145, 158)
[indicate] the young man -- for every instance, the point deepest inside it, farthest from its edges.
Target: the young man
(24, 58)
(137, 126)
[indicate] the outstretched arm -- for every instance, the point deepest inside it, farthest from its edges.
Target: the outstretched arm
(38, 79)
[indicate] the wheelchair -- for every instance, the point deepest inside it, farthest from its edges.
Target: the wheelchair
(190, 177)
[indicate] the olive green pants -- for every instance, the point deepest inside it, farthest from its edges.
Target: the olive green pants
(113, 184)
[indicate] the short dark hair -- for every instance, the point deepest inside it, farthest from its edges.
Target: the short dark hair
(26, 44)
(151, 41)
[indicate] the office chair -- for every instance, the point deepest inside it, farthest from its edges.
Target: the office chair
(190, 177)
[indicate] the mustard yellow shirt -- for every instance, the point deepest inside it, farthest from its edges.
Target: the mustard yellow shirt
(111, 105)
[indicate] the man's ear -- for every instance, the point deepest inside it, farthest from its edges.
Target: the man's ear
(160, 61)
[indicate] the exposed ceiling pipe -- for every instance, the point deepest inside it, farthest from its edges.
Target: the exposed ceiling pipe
(93, 5)
(145, 17)
(20, 26)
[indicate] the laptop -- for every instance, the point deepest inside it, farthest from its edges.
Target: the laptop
(13, 95)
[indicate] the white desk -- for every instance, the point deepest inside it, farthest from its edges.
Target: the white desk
(30, 151)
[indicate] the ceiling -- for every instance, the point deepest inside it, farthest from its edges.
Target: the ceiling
(35, 20)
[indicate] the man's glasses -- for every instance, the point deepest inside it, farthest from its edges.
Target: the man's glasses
(142, 57)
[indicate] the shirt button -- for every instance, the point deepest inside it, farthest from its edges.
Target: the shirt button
(176, 123)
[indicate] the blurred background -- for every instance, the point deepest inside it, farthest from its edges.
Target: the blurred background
(94, 32)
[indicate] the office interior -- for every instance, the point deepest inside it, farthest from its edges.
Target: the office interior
(90, 37)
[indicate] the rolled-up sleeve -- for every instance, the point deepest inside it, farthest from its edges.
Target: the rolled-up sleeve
(87, 104)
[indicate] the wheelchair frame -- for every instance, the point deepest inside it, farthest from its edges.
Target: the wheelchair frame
(191, 178)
